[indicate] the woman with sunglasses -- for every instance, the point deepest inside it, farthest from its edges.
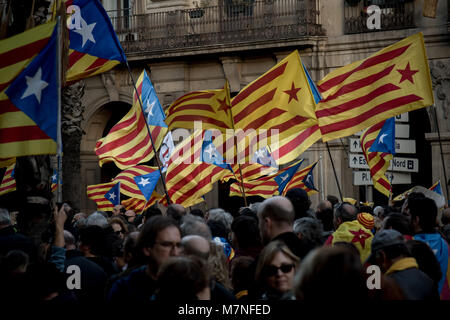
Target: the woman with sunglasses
(275, 271)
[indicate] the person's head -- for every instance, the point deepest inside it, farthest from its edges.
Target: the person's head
(218, 264)
(411, 197)
(193, 245)
(330, 274)
(387, 247)
(399, 222)
(423, 213)
(326, 217)
(92, 240)
(300, 201)
(159, 239)
(245, 232)
(15, 261)
(222, 216)
(119, 226)
(69, 241)
(183, 279)
(344, 212)
(333, 199)
(425, 258)
(176, 212)
(118, 210)
(130, 215)
(191, 225)
(242, 273)
(323, 204)
(97, 219)
(131, 254)
(197, 213)
(150, 212)
(276, 215)
(366, 220)
(310, 231)
(445, 219)
(276, 268)
(5, 218)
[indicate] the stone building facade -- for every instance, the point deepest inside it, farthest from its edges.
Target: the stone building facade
(196, 45)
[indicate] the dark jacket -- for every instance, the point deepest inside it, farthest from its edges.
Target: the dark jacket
(11, 240)
(136, 287)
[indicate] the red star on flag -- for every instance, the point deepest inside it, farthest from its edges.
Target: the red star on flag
(407, 74)
(293, 92)
(360, 236)
(223, 105)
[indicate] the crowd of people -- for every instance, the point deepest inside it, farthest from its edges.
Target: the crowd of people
(277, 249)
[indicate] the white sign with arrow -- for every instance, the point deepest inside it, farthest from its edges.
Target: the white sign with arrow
(363, 178)
(358, 161)
(401, 146)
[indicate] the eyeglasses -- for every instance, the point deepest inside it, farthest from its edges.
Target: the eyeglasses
(167, 245)
(273, 270)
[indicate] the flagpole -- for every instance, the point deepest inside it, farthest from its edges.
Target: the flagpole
(143, 209)
(150, 134)
(442, 154)
(334, 170)
(241, 184)
(59, 135)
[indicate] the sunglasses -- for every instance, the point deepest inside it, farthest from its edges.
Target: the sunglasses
(119, 232)
(273, 270)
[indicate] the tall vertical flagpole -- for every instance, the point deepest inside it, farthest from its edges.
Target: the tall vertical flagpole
(59, 135)
(334, 170)
(442, 154)
(150, 135)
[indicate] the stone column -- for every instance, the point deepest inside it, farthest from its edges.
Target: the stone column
(233, 72)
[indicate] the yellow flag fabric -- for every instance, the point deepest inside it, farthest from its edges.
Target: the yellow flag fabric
(354, 232)
(277, 110)
(8, 183)
(128, 185)
(390, 82)
(211, 107)
(97, 193)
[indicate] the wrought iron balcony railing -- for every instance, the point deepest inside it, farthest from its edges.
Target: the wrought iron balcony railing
(231, 22)
(395, 14)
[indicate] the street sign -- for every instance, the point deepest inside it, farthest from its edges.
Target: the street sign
(401, 131)
(401, 146)
(362, 178)
(358, 161)
(404, 117)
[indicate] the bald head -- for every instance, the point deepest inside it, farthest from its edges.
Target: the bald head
(196, 246)
(324, 204)
(278, 209)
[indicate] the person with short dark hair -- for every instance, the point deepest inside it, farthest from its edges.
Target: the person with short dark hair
(399, 222)
(176, 212)
(333, 199)
(301, 202)
(390, 253)
(245, 237)
(423, 213)
(158, 240)
(197, 213)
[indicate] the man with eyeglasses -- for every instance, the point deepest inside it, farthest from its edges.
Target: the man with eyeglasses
(159, 240)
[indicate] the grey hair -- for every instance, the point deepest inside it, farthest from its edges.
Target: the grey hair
(222, 216)
(5, 218)
(96, 219)
(193, 225)
(254, 206)
(69, 239)
(311, 229)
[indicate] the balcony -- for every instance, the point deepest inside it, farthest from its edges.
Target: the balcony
(395, 14)
(230, 25)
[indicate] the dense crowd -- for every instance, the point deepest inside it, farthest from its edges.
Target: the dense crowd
(277, 249)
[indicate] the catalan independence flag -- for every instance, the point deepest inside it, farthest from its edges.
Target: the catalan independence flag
(139, 205)
(55, 180)
(303, 179)
(128, 184)
(360, 95)
(94, 47)
(211, 107)
(97, 193)
(128, 142)
(280, 106)
(27, 84)
(436, 187)
(382, 136)
(8, 183)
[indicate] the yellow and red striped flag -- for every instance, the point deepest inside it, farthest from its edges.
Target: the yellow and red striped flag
(8, 183)
(128, 143)
(128, 185)
(97, 193)
(390, 82)
(187, 177)
(211, 107)
(250, 171)
(19, 134)
(139, 205)
(94, 47)
(303, 179)
(280, 106)
(378, 162)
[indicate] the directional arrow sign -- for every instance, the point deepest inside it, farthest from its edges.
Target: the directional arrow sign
(401, 146)
(358, 161)
(401, 131)
(362, 178)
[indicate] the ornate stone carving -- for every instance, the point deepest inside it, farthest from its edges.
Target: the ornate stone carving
(440, 76)
(110, 86)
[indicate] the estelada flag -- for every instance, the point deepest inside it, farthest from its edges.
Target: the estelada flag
(8, 182)
(390, 82)
(97, 193)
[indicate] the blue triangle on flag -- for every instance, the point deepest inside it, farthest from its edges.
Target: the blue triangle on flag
(210, 154)
(283, 179)
(147, 183)
(113, 195)
(385, 141)
(309, 179)
(153, 111)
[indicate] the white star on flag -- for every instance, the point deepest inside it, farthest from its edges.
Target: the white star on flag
(144, 182)
(382, 137)
(210, 151)
(86, 31)
(112, 196)
(283, 178)
(35, 85)
(149, 108)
